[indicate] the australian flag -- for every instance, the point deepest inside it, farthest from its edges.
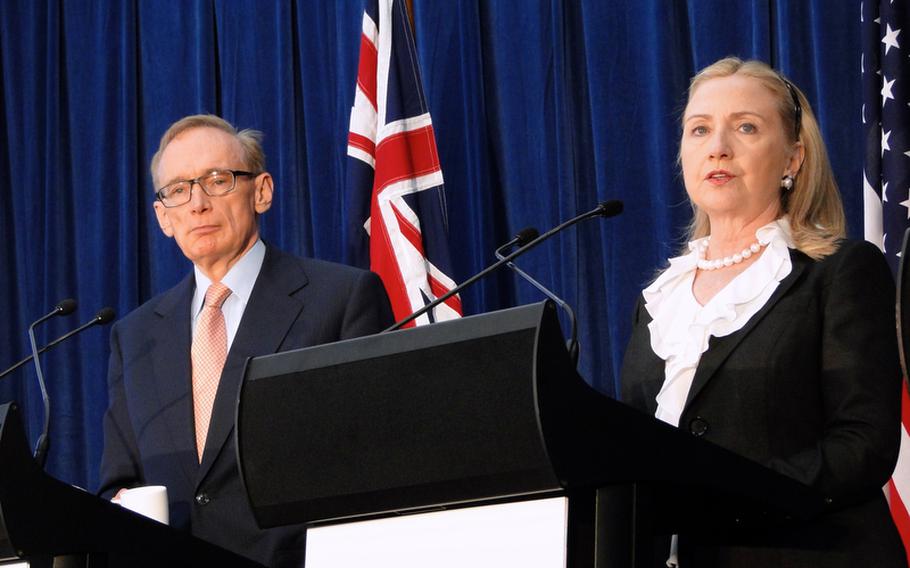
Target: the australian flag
(886, 174)
(395, 190)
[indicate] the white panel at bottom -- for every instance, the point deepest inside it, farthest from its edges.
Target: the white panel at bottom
(530, 534)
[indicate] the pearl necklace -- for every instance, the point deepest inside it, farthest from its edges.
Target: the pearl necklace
(705, 264)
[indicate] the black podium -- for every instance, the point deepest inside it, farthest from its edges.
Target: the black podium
(481, 410)
(50, 523)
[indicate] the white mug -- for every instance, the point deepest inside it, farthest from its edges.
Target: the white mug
(150, 501)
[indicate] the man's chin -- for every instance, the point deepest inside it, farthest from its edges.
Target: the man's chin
(201, 251)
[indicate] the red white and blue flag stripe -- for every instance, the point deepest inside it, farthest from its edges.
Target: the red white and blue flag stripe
(395, 194)
(886, 176)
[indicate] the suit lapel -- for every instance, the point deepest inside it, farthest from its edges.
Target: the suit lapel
(721, 347)
(271, 311)
(172, 375)
(641, 362)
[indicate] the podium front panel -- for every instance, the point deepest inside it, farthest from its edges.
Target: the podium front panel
(530, 534)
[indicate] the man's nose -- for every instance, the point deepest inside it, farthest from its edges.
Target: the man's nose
(199, 199)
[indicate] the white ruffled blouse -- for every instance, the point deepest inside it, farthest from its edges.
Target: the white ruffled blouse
(681, 327)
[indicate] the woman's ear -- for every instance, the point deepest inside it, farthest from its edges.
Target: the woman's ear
(796, 159)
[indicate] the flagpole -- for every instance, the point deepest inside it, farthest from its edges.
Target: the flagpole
(409, 4)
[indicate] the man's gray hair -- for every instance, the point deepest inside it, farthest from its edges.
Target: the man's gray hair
(250, 140)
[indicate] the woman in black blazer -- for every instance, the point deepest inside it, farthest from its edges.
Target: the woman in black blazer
(772, 335)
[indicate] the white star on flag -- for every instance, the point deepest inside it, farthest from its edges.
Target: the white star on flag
(886, 90)
(890, 39)
(885, 220)
(906, 203)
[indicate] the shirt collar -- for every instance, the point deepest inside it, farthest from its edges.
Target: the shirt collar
(240, 278)
(776, 234)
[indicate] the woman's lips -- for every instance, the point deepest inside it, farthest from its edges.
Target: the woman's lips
(719, 177)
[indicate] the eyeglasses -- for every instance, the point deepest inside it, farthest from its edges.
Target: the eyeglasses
(214, 184)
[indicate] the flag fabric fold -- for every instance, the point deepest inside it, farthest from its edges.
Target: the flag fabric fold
(395, 192)
(885, 67)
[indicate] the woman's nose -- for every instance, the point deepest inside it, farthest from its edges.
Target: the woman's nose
(719, 145)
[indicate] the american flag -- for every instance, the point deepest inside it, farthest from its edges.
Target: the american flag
(886, 187)
(395, 190)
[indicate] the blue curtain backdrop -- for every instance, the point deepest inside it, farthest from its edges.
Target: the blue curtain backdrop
(542, 108)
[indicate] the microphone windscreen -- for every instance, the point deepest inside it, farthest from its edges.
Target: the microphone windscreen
(66, 307)
(610, 208)
(525, 236)
(105, 315)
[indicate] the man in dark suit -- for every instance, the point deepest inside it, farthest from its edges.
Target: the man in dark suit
(176, 361)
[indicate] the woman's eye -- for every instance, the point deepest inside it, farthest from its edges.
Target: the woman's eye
(747, 128)
(699, 131)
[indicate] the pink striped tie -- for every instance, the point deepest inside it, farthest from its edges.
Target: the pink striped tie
(208, 354)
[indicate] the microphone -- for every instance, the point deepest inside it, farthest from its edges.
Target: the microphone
(520, 239)
(572, 343)
(65, 307)
(104, 316)
(604, 209)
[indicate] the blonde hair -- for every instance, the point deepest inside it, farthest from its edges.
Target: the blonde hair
(250, 140)
(813, 205)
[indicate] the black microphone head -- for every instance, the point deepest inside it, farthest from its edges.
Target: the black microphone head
(65, 307)
(610, 208)
(105, 315)
(525, 236)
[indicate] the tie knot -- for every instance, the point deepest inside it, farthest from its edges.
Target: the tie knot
(216, 295)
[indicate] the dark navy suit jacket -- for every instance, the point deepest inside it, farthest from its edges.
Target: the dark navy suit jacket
(149, 436)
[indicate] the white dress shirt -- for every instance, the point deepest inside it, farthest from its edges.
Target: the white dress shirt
(240, 279)
(681, 327)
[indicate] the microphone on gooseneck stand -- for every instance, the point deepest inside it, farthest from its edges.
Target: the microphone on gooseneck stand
(520, 239)
(65, 307)
(572, 343)
(104, 316)
(603, 209)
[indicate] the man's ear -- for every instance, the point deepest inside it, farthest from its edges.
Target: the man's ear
(263, 195)
(163, 221)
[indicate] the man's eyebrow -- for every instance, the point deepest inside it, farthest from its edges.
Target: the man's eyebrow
(170, 181)
(205, 171)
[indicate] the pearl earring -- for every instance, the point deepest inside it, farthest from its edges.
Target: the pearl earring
(787, 183)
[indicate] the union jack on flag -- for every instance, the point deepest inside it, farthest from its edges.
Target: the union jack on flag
(394, 188)
(886, 177)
